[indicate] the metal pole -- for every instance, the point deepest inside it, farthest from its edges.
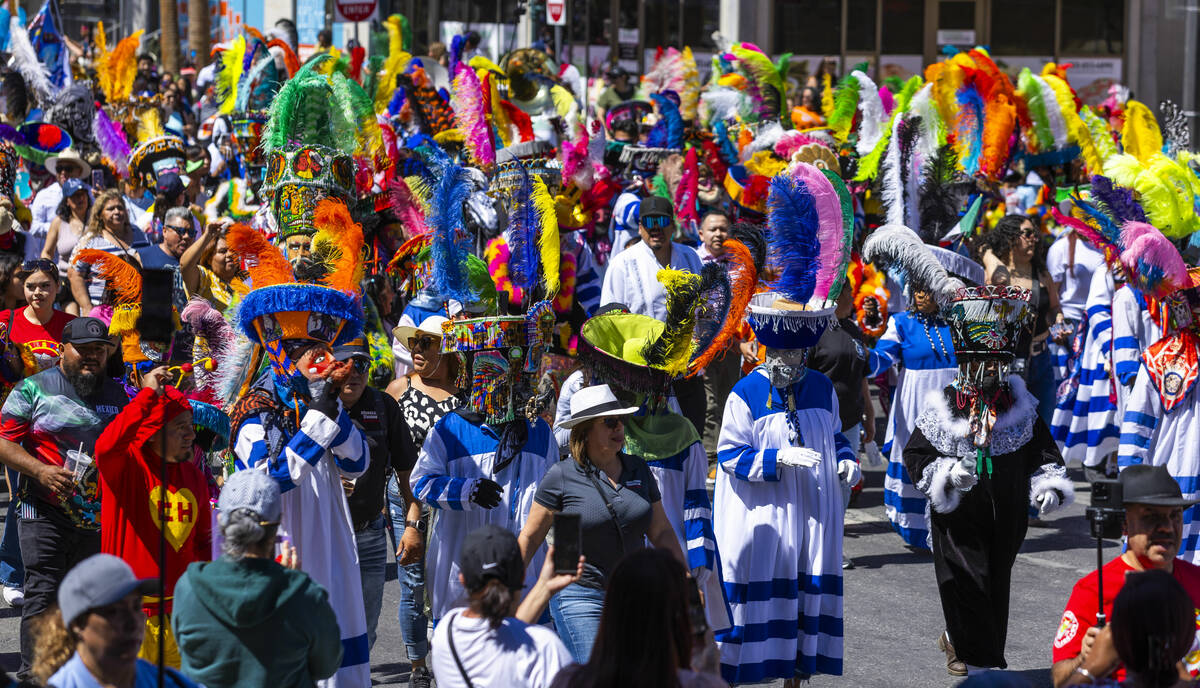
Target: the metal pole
(1191, 17)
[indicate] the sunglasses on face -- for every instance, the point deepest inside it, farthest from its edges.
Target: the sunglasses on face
(39, 264)
(185, 231)
(613, 422)
(361, 365)
(420, 343)
(656, 222)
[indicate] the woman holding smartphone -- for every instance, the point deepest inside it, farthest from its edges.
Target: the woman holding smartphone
(617, 503)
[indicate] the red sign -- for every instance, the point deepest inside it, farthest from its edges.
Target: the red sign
(356, 10)
(556, 12)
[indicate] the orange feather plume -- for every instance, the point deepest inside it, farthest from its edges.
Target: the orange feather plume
(999, 118)
(345, 238)
(289, 56)
(255, 33)
(121, 278)
(743, 276)
(265, 262)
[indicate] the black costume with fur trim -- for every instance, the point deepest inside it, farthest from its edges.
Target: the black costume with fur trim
(977, 531)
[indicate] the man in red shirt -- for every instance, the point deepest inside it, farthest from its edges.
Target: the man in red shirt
(1154, 508)
(135, 508)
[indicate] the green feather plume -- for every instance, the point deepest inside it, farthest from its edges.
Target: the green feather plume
(845, 104)
(847, 202)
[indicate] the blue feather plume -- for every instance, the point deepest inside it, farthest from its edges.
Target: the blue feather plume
(397, 102)
(1118, 200)
(456, 50)
(728, 153)
(792, 237)
(968, 128)
(668, 132)
(450, 244)
(1110, 229)
(522, 234)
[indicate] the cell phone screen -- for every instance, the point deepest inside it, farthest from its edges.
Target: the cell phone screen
(567, 543)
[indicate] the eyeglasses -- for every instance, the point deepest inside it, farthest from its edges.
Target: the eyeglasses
(39, 264)
(361, 365)
(186, 231)
(421, 343)
(656, 222)
(612, 422)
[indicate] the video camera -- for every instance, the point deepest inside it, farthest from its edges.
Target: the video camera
(1107, 512)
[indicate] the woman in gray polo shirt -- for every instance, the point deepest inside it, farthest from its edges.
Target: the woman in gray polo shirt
(618, 503)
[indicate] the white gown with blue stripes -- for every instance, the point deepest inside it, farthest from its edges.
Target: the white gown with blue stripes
(309, 468)
(925, 352)
(456, 453)
(1133, 332)
(779, 533)
(1153, 436)
(1085, 423)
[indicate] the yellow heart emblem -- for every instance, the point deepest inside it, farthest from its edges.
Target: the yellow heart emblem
(181, 514)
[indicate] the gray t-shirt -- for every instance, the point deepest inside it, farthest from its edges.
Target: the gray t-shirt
(566, 487)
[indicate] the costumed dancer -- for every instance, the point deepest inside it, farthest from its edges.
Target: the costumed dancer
(983, 456)
(783, 461)
(290, 423)
(919, 341)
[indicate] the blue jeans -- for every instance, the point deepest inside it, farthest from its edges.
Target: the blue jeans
(576, 611)
(1039, 376)
(414, 626)
(372, 567)
(12, 570)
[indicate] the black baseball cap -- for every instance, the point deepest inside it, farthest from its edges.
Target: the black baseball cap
(652, 206)
(491, 552)
(354, 349)
(1152, 485)
(85, 331)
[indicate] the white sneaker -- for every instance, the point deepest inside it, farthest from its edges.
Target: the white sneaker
(13, 597)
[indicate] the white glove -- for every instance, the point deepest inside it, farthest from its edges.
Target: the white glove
(798, 457)
(962, 475)
(874, 457)
(1047, 501)
(849, 472)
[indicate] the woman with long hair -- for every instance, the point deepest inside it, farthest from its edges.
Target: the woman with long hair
(618, 504)
(108, 230)
(35, 331)
(210, 270)
(647, 606)
(68, 225)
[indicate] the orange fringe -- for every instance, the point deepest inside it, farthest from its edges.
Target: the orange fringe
(334, 222)
(122, 279)
(264, 261)
(743, 276)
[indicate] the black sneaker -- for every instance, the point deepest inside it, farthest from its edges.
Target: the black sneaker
(420, 678)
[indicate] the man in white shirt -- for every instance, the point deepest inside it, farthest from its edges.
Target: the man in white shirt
(66, 165)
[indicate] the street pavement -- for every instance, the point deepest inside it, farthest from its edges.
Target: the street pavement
(892, 612)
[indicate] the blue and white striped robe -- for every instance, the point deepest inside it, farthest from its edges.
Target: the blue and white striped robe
(1153, 436)
(309, 465)
(456, 454)
(1085, 424)
(779, 533)
(925, 353)
(1133, 332)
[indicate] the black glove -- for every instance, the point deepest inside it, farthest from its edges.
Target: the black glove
(486, 493)
(324, 397)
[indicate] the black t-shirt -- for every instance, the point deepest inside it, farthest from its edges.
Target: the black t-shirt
(379, 417)
(566, 487)
(842, 357)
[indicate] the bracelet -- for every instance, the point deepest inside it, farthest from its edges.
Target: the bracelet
(1085, 673)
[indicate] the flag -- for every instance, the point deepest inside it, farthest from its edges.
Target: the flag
(48, 43)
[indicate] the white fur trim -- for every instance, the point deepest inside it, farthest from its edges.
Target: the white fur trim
(1051, 476)
(951, 435)
(935, 483)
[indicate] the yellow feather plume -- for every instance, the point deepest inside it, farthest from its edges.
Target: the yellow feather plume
(479, 62)
(230, 74)
(451, 135)
(689, 99)
(1077, 132)
(1141, 136)
(677, 336)
(826, 93)
(548, 240)
(397, 61)
(117, 69)
(1101, 137)
(567, 108)
(149, 124)
(421, 192)
(1123, 169)
(946, 82)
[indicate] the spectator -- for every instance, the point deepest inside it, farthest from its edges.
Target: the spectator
(647, 606)
(170, 192)
(724, 371)
(1154, 508)
(1070, 261)
(617, 500)
(68, 224)
(244, 619)
(100, 627)
(66, 165)
(12, 295)
(714, 230)
(108, 230)
(1152, 630)
(210, 270)
(148, 442)
(493, 641)
(178, 230)
(36, 330)
(47, 415)
(619, 90)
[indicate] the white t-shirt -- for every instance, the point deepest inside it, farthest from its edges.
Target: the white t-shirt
(1073, 281)
(513, 655)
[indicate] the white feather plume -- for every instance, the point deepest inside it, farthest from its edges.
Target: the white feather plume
(932, 130)
(721, 103)
(25, 61)
(902, 250)
(870, 127)
(892, 190)
(1054, 116)
(768, 135)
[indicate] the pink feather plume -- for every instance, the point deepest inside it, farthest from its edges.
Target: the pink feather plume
(688, 189)
(889, 102)
(577, 167)
(792, 141)
(471, 118)
(1152, 261)
(208, 322)
(830, 230)
(405, 206)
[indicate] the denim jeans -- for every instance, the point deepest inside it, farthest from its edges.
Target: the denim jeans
(1039, 376)
(372, 567)
(414, 625)
(576, 611)
(12, 570)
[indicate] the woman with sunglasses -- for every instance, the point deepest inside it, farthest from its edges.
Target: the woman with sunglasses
(66, 229)
(425, 395)
(618, 503)
(210, 270)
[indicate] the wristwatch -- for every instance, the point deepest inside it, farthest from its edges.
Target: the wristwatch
(1085, 673)
(419, 525)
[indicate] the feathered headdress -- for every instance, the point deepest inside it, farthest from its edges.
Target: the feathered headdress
(898, 247)
(325, 109)
(470, 115)
(1152, 263)
(116, 69)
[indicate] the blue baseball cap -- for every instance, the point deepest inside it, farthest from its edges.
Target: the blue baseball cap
(73, 186)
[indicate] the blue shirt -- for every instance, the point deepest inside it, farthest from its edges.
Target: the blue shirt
(74, 674)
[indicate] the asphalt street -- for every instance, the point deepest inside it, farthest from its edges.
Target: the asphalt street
(892, 612)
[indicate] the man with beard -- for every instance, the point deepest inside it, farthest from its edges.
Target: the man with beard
(48, 430)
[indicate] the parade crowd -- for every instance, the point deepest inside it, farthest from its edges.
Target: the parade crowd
(596, 361)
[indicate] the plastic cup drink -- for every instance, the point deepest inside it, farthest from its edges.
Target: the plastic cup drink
(78, 462)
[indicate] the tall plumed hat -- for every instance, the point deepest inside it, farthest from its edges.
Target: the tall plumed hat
(923, 267)
(986, 322)
(247, 81)
(810, 227)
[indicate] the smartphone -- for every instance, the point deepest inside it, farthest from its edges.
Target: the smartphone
(696, 608)
(97, 180)
(568, 543)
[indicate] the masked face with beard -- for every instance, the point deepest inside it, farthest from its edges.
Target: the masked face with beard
(83, 364)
